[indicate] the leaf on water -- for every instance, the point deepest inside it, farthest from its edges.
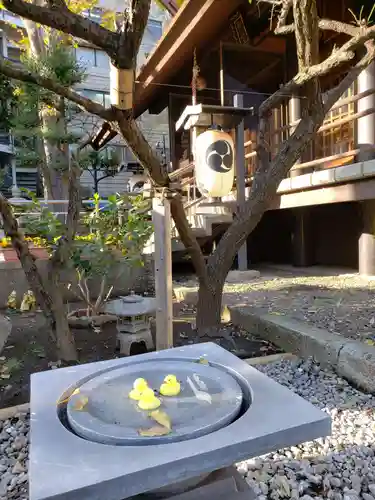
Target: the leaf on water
(155, 431)
(65, 400)
(161, 418)
(202, 361)
(80, 403)
(370, 342)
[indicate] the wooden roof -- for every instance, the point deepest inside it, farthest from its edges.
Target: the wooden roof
(194, 25)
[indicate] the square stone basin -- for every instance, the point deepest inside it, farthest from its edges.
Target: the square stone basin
(66, 466)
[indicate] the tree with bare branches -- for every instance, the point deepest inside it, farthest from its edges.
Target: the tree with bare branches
(300, 19)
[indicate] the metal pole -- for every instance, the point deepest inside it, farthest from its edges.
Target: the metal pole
(161, 216)
(240, 176)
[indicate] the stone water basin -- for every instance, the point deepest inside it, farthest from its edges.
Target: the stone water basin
(98, 453)
(110, 417)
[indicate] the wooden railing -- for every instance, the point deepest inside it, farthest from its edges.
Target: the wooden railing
(334, 144)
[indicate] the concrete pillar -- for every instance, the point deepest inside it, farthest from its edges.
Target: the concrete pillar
(240, 176)
(302, 238)
(366, 243)
(366, 125)
(294, 115)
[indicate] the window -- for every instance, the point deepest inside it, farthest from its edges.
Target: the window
(14, 54)
(92, 57)
(94, 14)
(85, 56)
(154, 28)
(97, 96)
(101, 59)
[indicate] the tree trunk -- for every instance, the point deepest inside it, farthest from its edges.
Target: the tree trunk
(55, 161)
(209, 307)
(66, 349)
(49, 297)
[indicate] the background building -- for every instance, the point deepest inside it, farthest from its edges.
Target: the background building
(96, 86)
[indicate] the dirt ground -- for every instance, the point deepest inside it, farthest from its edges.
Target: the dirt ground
(29, 349)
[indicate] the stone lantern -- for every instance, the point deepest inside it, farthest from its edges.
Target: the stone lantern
(133, 320)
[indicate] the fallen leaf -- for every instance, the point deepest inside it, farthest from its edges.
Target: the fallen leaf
(80, 403)
(157, 430)
(370, 342)
(161, 418)
(5, 375)
(65, 400)
(202, 361)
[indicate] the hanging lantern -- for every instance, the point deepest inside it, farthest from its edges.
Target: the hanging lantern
(214, 163)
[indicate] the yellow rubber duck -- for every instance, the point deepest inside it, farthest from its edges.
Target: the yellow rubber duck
(170, 386)
(139, 385)
(28, 302)
(12, 300)
(148, 400)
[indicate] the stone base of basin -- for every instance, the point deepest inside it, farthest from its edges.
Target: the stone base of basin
(223, 483)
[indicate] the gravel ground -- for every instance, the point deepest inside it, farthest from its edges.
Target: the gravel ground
(343, 303)
(14, 444)
(341, 467)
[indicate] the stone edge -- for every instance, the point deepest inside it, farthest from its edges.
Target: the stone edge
(11, 411)
(351, 359)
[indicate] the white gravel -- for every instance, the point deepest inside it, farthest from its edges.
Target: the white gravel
(341, 467)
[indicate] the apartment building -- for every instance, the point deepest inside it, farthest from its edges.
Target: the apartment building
(95, 86)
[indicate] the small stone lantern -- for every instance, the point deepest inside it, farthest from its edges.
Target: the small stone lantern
(133, 320)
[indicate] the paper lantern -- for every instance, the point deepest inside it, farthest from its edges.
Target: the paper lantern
(214, 163)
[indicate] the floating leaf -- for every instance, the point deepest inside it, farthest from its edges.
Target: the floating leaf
(161, 418)
(65, 400)
(80, 403)
(157, 430)
(370, 342)
(202, 361)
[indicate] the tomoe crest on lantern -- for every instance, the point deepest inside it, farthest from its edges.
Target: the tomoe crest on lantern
(214, 163)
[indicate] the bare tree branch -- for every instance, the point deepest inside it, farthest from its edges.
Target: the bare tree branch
(331, 96)
(22, 74)
(66, 21)
(324, 24)
(132, 30)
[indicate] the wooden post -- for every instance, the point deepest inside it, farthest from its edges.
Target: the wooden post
(366, 124)
(366, 243)
(240, 176)
(294, 116)
(221, 74)
(161, 216)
